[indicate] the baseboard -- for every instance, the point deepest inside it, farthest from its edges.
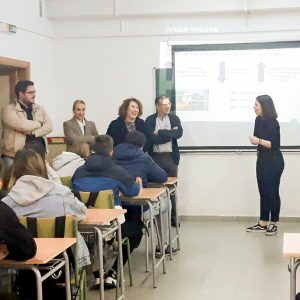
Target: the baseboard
(232, 218)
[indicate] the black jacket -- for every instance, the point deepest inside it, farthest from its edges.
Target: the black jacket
(118, 131)
(14, 235)
(165, 135)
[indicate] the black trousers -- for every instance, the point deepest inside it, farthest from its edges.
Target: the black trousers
(166, 162)
(268, 173)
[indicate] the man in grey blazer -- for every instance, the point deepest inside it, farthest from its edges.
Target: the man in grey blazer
(78, 130)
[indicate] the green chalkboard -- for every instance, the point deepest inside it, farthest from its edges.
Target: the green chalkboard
(164, 84)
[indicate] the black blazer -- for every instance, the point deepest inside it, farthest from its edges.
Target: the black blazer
(165, 135)
(117, 129)
(14, 235)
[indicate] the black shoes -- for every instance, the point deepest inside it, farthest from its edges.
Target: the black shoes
(110, 280)
(174, 222)
(272, 229)
(257, 228)
(269, 229)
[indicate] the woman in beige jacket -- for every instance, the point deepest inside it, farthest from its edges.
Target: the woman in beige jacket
(78, 130)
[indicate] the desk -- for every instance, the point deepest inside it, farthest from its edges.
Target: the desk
(171, 185)
(100, 219)
(291, 249)
(47, 249)
(150, 196)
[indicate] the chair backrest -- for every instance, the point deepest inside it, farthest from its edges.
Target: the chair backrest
(67, 181)
(64, 226)
(102, 199)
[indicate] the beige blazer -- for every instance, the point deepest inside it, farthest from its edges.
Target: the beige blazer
(15, 126)
(74, 135)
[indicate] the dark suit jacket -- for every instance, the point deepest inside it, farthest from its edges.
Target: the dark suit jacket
(14, 235)
(165, 135)
(74, 134)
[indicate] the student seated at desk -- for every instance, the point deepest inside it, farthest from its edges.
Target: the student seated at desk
(131, 157)
(16, 242)
(101, 173)
(52, 175)
(66, 163)
(32, 194)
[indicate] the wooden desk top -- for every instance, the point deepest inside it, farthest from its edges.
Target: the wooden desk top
(171, 181)
(291, 245)
(146, 194)
(97, 216)
(47, 249)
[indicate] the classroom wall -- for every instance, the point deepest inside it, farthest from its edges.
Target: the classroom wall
(105, 51)
(33, 42)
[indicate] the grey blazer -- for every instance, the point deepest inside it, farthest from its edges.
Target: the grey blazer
(74, 134)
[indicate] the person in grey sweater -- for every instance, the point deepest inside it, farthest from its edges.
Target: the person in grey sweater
(32, 194)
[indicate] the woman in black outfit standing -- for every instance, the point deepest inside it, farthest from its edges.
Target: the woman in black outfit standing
(269, 165)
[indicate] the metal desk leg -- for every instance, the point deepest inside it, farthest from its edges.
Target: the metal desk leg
(169, 222)
(177, 219)
(67, 276)
(39, 288)
(152, 238)
(294, 264)
(121, 261)
(162, 240)
(101, 266)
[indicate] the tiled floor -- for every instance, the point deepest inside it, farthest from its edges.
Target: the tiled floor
(217, 261)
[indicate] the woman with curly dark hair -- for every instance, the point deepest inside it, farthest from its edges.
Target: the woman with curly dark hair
(129, 120)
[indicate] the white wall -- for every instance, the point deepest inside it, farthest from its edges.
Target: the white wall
(225, 185)
(105, 51)
(33, 42)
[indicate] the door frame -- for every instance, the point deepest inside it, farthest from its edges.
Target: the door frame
(19, 70)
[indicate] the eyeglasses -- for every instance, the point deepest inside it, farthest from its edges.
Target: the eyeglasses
(166, 104)
(30, 92)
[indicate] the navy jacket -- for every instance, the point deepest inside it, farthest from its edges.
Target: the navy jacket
(14, 235)
(165, 135)
(138, 164)
(118, 131)
(101, 173)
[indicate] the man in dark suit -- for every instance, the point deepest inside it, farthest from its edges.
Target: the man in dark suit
(165, 130)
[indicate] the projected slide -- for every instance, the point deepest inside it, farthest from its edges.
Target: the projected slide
(216, 87)
(221, 85)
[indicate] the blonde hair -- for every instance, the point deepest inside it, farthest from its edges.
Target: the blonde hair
(78, 102)
(27, 162)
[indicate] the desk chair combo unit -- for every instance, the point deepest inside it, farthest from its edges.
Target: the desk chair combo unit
(171, 186)
(49, 248)
(103, 218)
(150, 198)
(171, 189)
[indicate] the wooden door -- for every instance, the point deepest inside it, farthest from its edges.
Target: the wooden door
(11, 71)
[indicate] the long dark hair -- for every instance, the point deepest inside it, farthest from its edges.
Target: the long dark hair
(267, 107)
(27, 162)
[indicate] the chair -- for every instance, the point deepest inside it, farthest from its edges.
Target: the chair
(67, 181)
(104, 200)
(65, 226)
